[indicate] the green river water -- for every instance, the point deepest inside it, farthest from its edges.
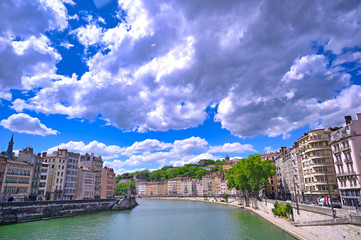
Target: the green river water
(153, 219)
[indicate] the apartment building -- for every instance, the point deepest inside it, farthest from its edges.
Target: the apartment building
(317, 165)
(140, 188)
(95, 164)
(108, 182)
(85, 187)
(43, 182)
(345, 143)
(18, 177)
(56, 175)
(187, 188)
(72, 160)
(27, 155)
(2, 170)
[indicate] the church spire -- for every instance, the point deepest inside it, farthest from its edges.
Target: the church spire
(9, 152)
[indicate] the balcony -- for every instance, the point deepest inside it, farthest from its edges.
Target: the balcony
(338, 162)
(345, 148)
(350, 173)
(342, 133)
(348, 160)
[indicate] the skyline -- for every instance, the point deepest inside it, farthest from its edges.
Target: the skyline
(148, 84)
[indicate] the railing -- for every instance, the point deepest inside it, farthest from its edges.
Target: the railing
(348, 160)
(338, 162)
(345, 174)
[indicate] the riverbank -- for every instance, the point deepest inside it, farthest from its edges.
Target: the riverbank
(21, 212)
(283, 224)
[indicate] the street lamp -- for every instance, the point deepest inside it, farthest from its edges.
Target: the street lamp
(329, 195)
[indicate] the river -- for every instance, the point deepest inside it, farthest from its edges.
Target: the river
(154, 219)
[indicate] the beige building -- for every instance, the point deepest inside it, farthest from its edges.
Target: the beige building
(108, 182)
(95, 164)
(140, 188)
(85, 184)
(56, 176)
(17, 180)
(345, 143)
(27, 155)
(43, 182)
(271, 191)
(317, 164)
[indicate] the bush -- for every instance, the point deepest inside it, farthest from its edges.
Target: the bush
(225, 196)
(282, 209)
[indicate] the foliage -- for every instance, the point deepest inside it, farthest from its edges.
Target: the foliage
(250, 174)
(121, 188)
(168, 172)
(225, 196)
(282, 209)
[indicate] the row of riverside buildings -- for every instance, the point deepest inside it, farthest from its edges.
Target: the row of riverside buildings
(319, 161)
(64, 175)
(212, 184)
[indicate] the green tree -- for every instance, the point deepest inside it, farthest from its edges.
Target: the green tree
(121, 188)
(250, 175)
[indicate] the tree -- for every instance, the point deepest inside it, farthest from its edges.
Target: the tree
(250, 175)
(121, 188)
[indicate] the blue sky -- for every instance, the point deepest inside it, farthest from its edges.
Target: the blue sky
(167, 82)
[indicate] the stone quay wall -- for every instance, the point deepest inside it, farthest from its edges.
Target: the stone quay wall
(16, 212)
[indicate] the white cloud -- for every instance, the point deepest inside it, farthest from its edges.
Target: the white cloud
(23, 123)
(171, 60)
(98, 148)
(24, 47)
(148, 145)
(232, 148)
(268, 149)
(152, 152)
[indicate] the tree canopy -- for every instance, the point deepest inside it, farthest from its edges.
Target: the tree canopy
(121, 188)
(250, 174)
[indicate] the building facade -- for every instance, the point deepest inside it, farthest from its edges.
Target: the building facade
(95, 164)
(3, 160)
(27, 155)
(85, 184)
(56, 175)
(108, 182)
(17, 184)
(346, 149)
(317, 164)
(43, 182)
(72, 160)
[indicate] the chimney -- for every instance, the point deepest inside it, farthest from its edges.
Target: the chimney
(348, 119)
(39, 154)
(44, 154)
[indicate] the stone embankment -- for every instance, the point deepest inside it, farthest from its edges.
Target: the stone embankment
(17, 212)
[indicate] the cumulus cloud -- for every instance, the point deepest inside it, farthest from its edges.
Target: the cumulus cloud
(98, 148)
(27, 59)
(23, 123)
(232, 148)
(260, 65)
(152, 152)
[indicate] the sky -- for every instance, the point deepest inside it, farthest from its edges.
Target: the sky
(147, 84)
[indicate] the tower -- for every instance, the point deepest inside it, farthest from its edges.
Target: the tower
(9, 152)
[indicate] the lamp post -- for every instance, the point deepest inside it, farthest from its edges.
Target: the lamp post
(329, 195)
(294, 185)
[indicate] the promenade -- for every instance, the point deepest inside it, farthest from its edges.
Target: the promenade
(265, 212)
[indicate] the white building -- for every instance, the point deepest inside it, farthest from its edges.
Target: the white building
(346, 150)
(44, 175)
